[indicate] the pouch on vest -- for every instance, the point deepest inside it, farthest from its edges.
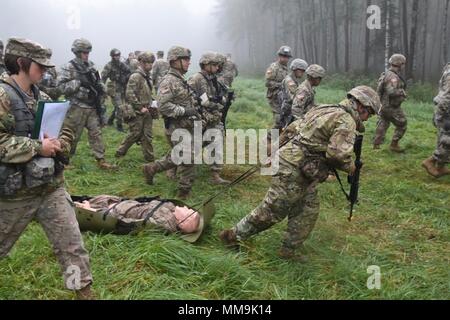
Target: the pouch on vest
(11, 180)
(39, 171)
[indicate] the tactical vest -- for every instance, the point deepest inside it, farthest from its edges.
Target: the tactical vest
(23, 115)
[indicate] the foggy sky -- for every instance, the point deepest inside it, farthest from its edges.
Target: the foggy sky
(124, 24)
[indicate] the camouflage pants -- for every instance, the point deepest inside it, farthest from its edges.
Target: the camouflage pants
(388, 116)
(79, 118)
(290, 195)
(217, 167)
(117, 100)
(276, 110)
(140, 132)
(442, 123)
(55, 213)
(186, 172)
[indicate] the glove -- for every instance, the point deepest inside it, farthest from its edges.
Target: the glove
(190, 111)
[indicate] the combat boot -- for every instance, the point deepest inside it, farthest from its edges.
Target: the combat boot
(434, 169)
(293, 255)
(85, 294)
(150, 170)
(217, 180)
(229, 239)
(102, 164)
(110, 121)
(183, 194)
(395, 147)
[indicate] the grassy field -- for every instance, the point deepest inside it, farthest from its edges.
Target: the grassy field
(401, 225)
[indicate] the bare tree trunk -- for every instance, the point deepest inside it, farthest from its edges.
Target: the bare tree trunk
(405, 27)
(324, 49)
(387, 49)
(347, 36)
(367, 45)
(413, 40)
(335, 36)
(445, 44)
(424, 39)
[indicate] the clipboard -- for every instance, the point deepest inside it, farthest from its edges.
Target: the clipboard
(49, 119)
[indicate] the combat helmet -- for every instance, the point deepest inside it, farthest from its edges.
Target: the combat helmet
(146, 57)
(81, 45)
(209, 58)
(299, 64)
(115, 52)
(367, 97)
(285, 51)
(316, 71)
(397, 60)
(177, 52)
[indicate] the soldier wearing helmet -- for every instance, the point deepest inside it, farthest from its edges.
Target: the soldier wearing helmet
(160, 69)
(275, 75)
(437, 164)
(305, 94)
(289, 87)
(228, 71)
(392, 92)
(322, 140)
(212, 98)
(115, 75)
(80, 83)
(140, 110)
(178, 106)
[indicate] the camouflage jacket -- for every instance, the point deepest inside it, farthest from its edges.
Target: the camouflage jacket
(391, 89)
(229, 72)
(118, 72)
(327, 132)
(2, 68)
(303, 100)
(139, 90)
(19, 150)
(443, 98)
(70, 84)
(275, 74)
(160, 68)
(288, 88)
(204, 84)
(49, 84)
(132, 64)
(174, 96)
(131, 211)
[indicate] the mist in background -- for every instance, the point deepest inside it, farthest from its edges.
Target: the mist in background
(127, 25)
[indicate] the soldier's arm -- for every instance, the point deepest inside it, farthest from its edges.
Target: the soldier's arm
(132, 91)
(14, 149)
(166, 93)
(292, 89)
(392, 87)
(271, 83)
(300, 100)
(106, 72)
(66, 82)
(340, 148)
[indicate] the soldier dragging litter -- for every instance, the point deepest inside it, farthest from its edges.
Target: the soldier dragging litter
(323, 140)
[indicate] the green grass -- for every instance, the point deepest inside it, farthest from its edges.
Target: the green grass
(401, 225)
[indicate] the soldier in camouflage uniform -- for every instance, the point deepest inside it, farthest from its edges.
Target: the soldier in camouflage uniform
(211, 94)
(228, 72)
(132, 62)
(391, 89)
(139, 98)
(160, 69)
(305, 94)
(437, 164)
(2, 64)
(81, 84)
(275, 75)
(49, 84)
(324, 139)
(118, 73)
(289, 87)
(177, 104)
(31, 171)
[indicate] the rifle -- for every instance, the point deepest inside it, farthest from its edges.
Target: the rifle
(353, 180)
(90, 79)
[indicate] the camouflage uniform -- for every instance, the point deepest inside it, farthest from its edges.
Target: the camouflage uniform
(304, 100)
(139, 95)
(323, 139)
(229, 73)
(82, 113)
(442, 119)
(174, 97)
(45, 201)
(203, 83)
(118, 73)
(275, 74)
(391, 88)
(160, 69)
(2, 65)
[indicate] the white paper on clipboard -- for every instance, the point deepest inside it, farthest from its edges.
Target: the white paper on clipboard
(53, 119)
